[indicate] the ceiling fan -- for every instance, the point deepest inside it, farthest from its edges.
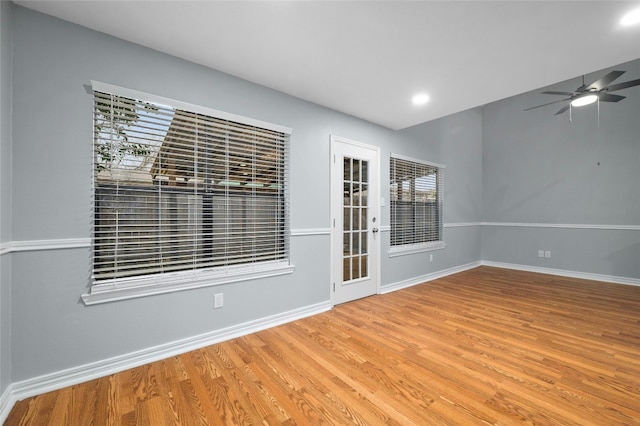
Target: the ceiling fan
(586, 94)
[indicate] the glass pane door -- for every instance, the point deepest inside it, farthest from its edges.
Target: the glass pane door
(355, 208)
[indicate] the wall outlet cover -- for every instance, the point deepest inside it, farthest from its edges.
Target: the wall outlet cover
(218, 300)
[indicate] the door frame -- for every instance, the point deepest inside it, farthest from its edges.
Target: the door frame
(375, 211)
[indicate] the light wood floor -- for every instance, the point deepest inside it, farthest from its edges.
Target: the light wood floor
(486, 346)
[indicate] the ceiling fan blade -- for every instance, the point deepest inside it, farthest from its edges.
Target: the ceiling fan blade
(608, 97)
(624, 85)
(551, 92)
(603, 81)
(563, 109)
(550, 103)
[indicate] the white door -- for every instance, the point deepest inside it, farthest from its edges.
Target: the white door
(355, 210)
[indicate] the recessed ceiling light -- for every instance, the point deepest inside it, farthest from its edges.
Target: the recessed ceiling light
(631, 18)
(584, 100)
(420, 99)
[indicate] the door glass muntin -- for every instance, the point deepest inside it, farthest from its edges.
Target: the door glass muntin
(355, 214)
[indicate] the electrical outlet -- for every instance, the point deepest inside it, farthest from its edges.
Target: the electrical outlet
(547, 254)
(430, 257)
(540, 253)
(218, 300)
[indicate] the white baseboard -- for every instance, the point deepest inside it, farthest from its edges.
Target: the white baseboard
(72, 376)
(7, 401)
(564, 273)
(427, 277)
(559, 272)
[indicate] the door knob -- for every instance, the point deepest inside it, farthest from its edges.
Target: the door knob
(374, 230)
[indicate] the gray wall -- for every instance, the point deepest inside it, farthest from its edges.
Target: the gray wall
(542, 168)
(6, 50)
(52, 131)
(454, 141)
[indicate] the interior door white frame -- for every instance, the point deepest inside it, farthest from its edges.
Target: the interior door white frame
(374, 203)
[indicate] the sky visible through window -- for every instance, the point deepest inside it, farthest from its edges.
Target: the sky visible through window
(128, 143)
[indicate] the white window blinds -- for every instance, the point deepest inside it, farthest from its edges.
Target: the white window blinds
(176, 189)
(416, 202)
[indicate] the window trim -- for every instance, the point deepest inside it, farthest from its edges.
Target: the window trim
(407, 249)
(146, 285)
(97, 86)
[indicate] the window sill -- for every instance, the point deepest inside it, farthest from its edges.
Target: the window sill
(130, 288)
(415, 248)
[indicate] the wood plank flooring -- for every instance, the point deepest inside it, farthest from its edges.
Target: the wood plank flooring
(488, 347)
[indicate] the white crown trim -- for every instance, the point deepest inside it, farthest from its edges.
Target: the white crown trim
(310, 231)
(565, 226)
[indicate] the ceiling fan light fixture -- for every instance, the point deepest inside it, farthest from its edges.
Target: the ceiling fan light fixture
(584, 100)
(631, 18)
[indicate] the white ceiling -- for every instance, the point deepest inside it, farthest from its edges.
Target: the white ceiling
(368, 59)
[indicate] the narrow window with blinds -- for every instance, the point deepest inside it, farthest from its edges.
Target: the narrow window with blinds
(183, 196)
(416, 205)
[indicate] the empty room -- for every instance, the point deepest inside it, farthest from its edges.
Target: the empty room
(319, 212)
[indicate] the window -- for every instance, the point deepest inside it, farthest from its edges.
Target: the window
(183, 196)
(416, 205)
